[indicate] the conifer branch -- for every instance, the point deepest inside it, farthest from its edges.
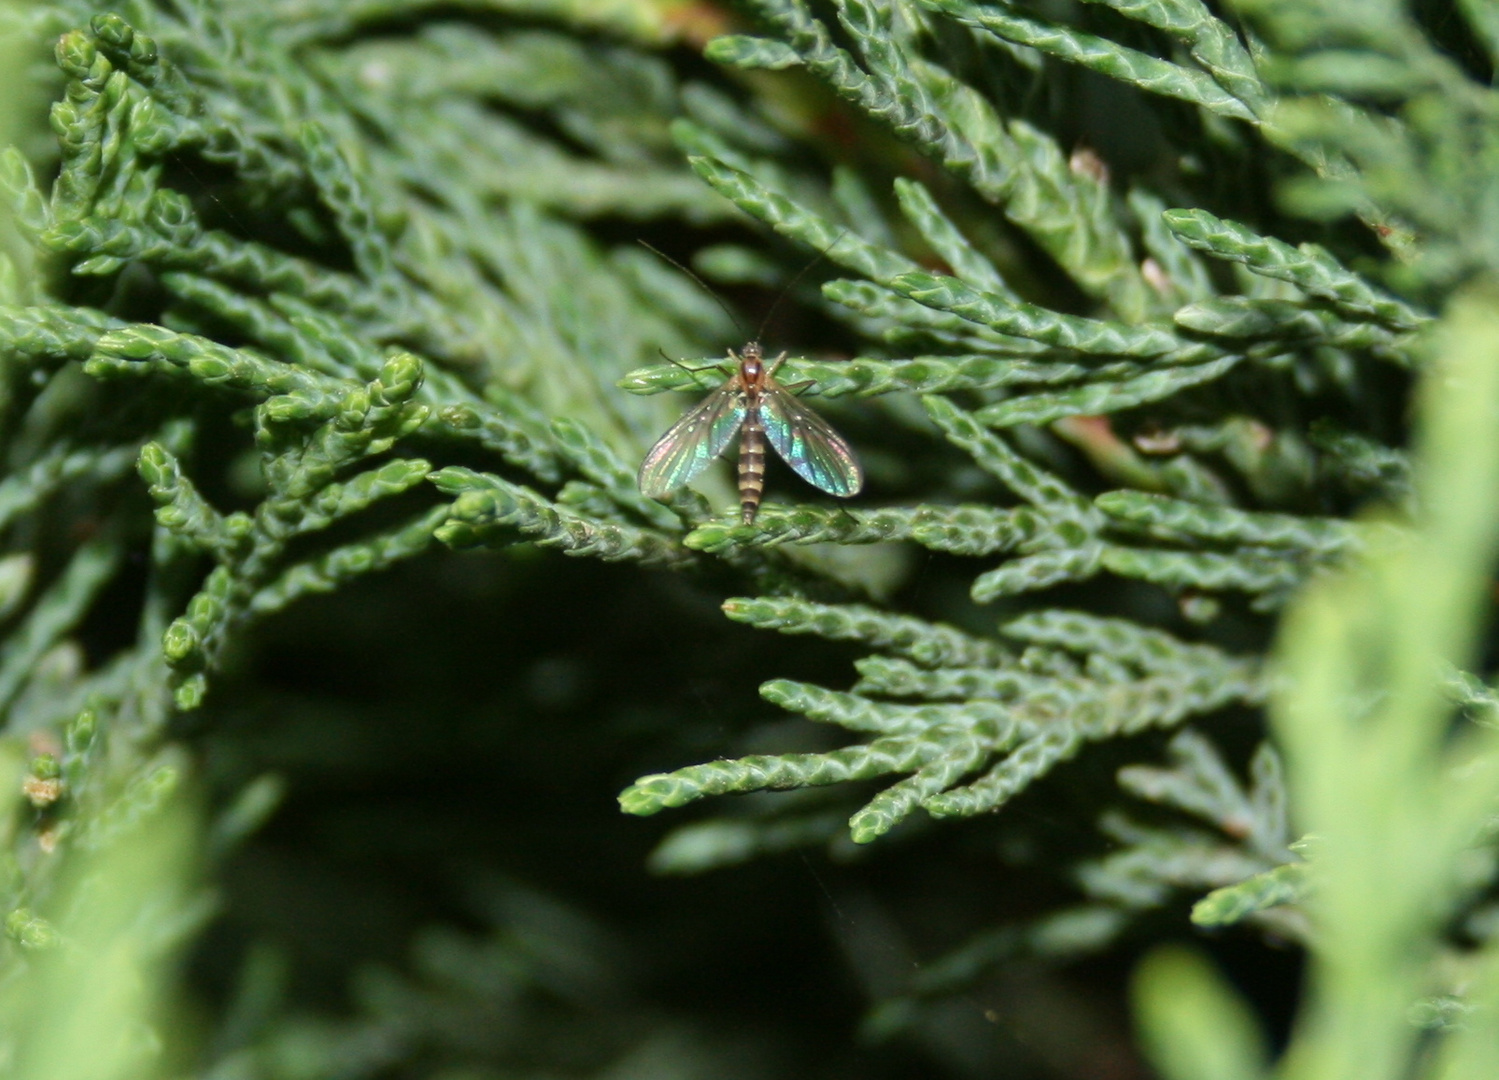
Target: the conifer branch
(1100, 55)
(349, 286)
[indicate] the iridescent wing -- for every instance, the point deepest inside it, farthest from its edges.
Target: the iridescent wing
(807, 442)
(693, 441)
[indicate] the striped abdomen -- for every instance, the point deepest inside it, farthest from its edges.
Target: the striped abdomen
(751, 465)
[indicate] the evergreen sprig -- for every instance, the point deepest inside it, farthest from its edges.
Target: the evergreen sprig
(1045, 707)
(333, 278)
(1235, 836)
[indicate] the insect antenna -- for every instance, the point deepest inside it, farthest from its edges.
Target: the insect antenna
(776, 303)
(701, 284)
(786, 289)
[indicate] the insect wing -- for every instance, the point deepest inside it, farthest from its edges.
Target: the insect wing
(693, 441)
(808, 443)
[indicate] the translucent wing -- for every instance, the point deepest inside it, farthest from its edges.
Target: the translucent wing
(693, 441)
(807, 442)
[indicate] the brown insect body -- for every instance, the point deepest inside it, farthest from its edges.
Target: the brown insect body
(752, 377)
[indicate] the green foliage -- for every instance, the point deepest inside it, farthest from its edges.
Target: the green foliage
(1083, 679)
(1192, 1023)
(301, 293)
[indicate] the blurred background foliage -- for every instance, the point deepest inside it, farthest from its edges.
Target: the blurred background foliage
(317, 320)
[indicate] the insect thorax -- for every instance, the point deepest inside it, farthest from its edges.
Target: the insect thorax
(751, 363)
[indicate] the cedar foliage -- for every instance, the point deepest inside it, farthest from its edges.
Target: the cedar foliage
(1164, 334)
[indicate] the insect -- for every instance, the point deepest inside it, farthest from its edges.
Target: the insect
(752, 404)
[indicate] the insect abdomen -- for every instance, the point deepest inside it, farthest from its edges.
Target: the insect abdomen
(751, 466)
